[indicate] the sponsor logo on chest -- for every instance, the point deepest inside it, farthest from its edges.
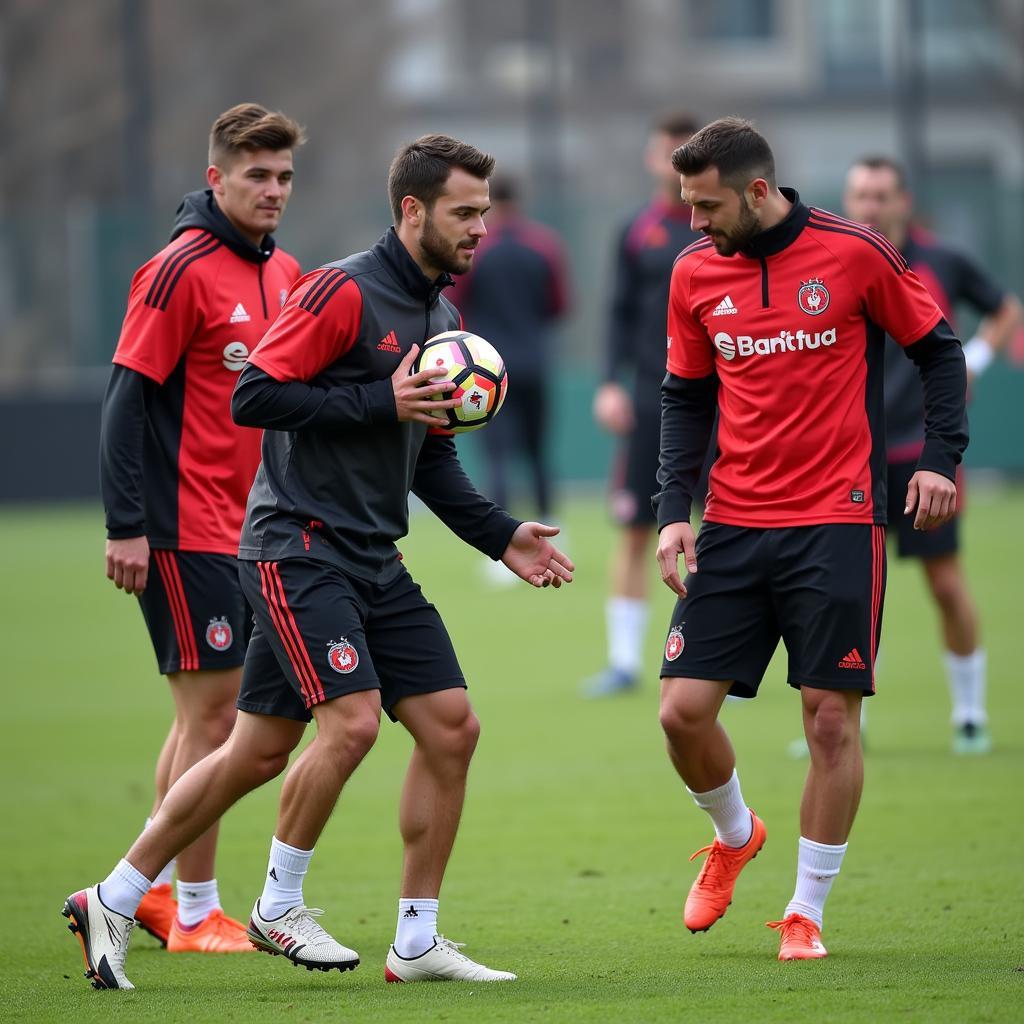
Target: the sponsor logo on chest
(743, 345)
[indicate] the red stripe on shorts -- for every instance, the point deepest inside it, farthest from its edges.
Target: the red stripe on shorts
(318, 690)
(306, 684)
(167, 565)
(877, 590)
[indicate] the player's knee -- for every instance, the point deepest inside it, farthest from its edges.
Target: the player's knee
(680, 722)
(356, 737)
(464, 738)
(832, 726)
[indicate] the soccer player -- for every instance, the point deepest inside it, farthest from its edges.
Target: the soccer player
(876, 194)
(176, 470)
(513, 297)
(342, 630)
(628, 403)
(778, 319)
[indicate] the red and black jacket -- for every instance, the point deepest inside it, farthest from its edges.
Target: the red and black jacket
(173, 465)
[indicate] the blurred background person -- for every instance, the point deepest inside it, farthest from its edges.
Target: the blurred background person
(628, 402)
(514, 296)
(877, 194)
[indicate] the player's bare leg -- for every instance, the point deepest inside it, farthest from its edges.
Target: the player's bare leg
(965, 658)
(346, 729)
(698, 746)
(164, 762)
(829, 805)
(205, 705)
(626, 613)
(445, 731)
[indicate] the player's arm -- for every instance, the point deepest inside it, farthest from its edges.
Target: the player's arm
(278, 388)
(613, 407)
(441, 484)
(1001, 316)
(159, 324)
(897, 300)
(689, 397)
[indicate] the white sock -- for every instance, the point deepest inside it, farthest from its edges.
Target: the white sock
(730, 815)
(282, 889)
(196, 901)
(816, 869)
(165, 877)
(967, 687)
(626, 619)
(417, 926)
(122, 890)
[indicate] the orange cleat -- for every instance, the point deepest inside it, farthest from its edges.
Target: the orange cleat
(711, 894)
(157, 912)
(801, 938)
(216, 933)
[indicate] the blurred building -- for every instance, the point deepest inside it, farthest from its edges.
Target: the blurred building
(104, 107)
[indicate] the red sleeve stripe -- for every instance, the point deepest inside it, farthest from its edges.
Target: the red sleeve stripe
(327, 294)
(288, 631)
(311, 301)
(848, 227)
(174, 266)
(167, 565)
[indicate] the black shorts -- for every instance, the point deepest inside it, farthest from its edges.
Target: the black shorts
(911, 543)
(818, 588)
(197, 617)
(635, 476)
(321, 634)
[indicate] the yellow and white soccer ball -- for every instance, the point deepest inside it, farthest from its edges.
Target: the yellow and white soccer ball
(477, 371)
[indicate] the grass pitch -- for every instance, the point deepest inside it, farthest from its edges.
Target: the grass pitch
(571, 866)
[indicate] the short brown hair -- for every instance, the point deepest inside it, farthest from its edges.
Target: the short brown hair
(422, 167)
(248, 127)
(884, 163)
(675, 123)
(732, 145)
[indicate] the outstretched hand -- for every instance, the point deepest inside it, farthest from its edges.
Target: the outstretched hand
(532, 557)
(417, 397)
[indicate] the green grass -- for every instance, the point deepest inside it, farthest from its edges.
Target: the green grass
(571, 865)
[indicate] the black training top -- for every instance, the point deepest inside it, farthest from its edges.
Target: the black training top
(337, 464)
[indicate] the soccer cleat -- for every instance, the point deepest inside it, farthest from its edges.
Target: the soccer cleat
(297, 936)
(216, 933)
(608, 682)
(971, 740)
(157, 912)
(801, 938)
(442, 962)
(711, 894)
(104, 936)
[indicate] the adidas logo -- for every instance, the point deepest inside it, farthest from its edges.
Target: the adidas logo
(852, 660)
(389, 343)
(411, 912)
(273, 874)
(239, 315)
(725, 308)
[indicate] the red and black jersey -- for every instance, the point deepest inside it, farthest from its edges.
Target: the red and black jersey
(174, 466)
(647, 247)
(790, 335)
(337, 463)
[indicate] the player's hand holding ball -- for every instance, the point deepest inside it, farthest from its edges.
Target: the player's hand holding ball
(420, 396)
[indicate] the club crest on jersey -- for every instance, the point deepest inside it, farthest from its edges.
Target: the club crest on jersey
(342, 656)
(813, 297)
(218, 634)
(675, 643)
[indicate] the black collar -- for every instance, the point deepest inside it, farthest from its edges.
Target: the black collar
(200, 210)
(405, 270)
(783, 234)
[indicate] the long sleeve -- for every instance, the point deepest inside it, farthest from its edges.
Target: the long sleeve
(442, 485)
(622, 314)
(122, 433)
(687, 416)
(260, 400)
(940, 361)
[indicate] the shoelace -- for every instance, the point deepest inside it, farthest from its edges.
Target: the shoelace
(796, 927)
(303, 917)
(453, 947)
(715, 864)
(121, 945)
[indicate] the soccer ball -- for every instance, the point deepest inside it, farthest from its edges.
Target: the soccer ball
(477, 371)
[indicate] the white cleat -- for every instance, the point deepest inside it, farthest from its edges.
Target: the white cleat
(442, 962)
(104, 936)
(297, 936)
